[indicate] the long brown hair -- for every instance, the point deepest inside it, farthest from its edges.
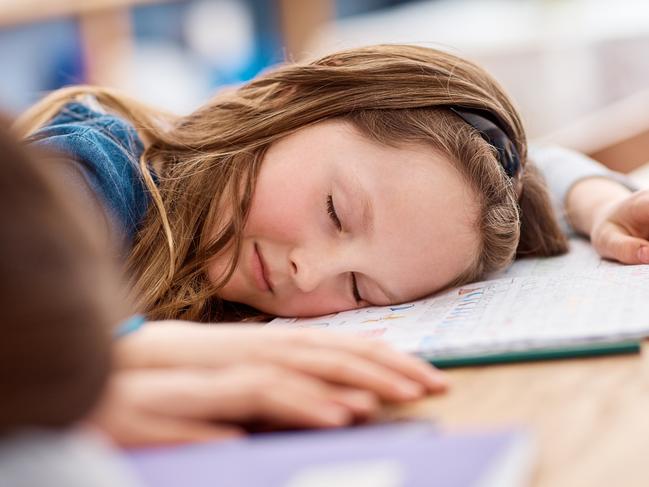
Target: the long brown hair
(208, 160)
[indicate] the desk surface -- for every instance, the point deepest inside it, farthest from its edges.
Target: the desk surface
(590, 417)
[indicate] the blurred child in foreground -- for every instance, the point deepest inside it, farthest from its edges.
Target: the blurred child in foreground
(59, 301)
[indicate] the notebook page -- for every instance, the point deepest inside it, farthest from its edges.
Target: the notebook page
(582, 257)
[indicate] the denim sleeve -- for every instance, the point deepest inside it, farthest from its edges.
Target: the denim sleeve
(562, 169)
(107, 148)
(71, 176)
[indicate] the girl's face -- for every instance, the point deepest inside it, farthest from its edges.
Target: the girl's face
(338, 221)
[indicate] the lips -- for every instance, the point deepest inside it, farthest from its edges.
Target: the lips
(260, 271)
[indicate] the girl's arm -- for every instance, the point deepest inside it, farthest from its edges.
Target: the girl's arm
(588, 197)
(601, 204)
(565, 170)
(616, 220)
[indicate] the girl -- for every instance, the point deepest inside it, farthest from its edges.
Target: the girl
(60, 298)
(370, 176)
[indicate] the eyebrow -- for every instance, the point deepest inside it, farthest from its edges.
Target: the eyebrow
(362, 199)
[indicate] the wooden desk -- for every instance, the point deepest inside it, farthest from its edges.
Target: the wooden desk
(590, 417)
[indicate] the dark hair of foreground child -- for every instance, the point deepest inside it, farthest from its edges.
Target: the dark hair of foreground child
(55, 300)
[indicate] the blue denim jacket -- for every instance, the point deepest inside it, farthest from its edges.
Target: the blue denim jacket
(107, 149)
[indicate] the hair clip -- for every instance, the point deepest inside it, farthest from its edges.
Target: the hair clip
(490, 128)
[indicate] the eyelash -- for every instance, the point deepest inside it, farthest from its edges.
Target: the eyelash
(331, 210)
(332, 213)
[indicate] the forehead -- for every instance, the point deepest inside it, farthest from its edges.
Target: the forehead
(424, 233)
(425, 214)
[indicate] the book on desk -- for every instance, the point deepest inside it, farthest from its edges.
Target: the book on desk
(411, 454)
(573, 305)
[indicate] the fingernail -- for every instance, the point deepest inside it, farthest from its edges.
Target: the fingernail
(410, 390)
(361, 400)
(643, 254)
(335, 416)
(438, 379)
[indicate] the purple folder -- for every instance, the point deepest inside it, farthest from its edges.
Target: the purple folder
(389, 455)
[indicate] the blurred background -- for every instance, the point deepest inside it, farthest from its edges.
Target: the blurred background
(577, 69)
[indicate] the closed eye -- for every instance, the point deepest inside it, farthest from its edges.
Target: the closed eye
(331, 210)
(357, 295)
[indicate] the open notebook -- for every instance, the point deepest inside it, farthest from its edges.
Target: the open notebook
(536, 304)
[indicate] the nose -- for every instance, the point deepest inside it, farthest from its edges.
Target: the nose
(310, 268)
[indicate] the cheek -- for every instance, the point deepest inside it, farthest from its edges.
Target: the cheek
(279, 214)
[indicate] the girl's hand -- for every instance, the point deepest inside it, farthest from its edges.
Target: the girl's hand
(620, 229)
(333, 357)
(155, 406)
(615, 219)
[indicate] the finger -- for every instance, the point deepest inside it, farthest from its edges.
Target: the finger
(140, 428)
(295, 399)
(624, 248)
(252, 393)
(293, 405)
(352, 370)
(285, 397)
(169, 430)
(363, 404)
(409, 365)
(381, 353)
